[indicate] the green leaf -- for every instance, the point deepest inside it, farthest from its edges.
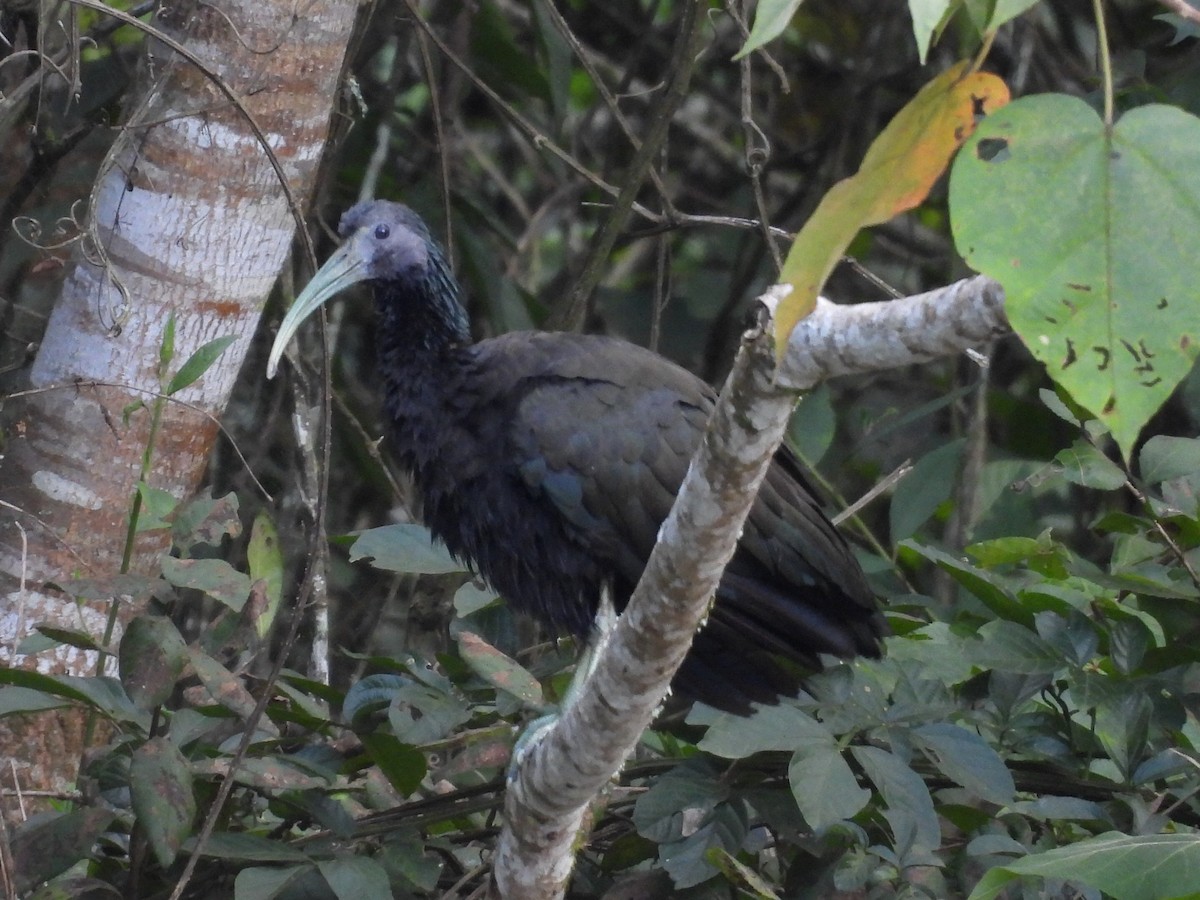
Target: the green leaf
(224, 687)
(812, 426)
(1007, 10)
(740, 874)
(1083, 464)
(261, 883)
(989, 588)
(356, 878)
(910, 807)
(270, 773)
(151, 657)
(197, 364)
(1143, 867)
(157, 508)
(965, 758)
(823, 784)
(402, 764)
(1010, 647)
(160, 784)
(404, 548)
(104, 694)
(228, 845)
(924, 489)
(687, 860)
(45, 846)
(75, 888)
(372, 694)
(403, 853)
(677, 800)
(1060, 808)
(930, 18)
(767, 728)
(471, 598)
(1098, 262)
(265, 560)
(166, 349)
(1164, 457)
(499, 670)
(420, 714)
(215, 577)
(24, 700)
(69, 637)
(770, 18)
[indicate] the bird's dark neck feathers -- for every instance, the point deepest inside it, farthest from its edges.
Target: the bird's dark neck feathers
(420, 315)
(424, 345)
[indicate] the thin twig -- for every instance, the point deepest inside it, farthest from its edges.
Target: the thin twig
(569, 316)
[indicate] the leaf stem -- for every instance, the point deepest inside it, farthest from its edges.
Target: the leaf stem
(1105, 62)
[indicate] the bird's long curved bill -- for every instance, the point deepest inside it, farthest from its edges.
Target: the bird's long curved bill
(344, 268)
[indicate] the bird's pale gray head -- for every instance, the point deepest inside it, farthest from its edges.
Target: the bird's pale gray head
(388, 239)
(389, 245)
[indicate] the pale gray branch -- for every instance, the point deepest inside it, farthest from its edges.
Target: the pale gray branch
(837, 339)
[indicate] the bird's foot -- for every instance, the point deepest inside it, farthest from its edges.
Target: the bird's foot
(602, 629)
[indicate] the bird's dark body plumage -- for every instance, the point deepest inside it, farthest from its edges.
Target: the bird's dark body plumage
(549, 461)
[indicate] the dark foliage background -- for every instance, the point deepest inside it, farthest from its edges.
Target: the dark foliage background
(1041, 688)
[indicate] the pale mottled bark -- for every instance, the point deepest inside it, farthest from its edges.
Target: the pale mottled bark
(193, 223)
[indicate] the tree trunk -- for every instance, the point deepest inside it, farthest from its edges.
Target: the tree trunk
(189, 223)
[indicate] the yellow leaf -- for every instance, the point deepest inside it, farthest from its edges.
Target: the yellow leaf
(897, 173)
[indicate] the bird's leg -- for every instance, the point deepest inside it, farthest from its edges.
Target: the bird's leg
(602, 629)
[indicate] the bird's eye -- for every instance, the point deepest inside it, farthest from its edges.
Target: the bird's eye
(382, 231)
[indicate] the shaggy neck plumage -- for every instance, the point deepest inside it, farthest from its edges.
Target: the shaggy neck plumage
(423, 335)
(420, 313)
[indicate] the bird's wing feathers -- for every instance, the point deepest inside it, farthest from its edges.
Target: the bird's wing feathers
(605, 430)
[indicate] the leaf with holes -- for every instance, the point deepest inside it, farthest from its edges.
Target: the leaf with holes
(1092, 233)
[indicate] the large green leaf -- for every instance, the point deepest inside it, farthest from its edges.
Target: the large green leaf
(356, 878)
(499, 670)
(214, 577)
(151, 657)
(678, 800)
(1143, 867)
(909, 805)
(24, 700)
(231, 845)
(966, 758)
(404, 548)
(1092, 233)
(780, 727)
(265, 883)
(47, 845)
(161, 787)
(104, 694)
(823, 784)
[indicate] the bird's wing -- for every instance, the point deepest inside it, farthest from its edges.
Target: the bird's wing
(604, 431)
